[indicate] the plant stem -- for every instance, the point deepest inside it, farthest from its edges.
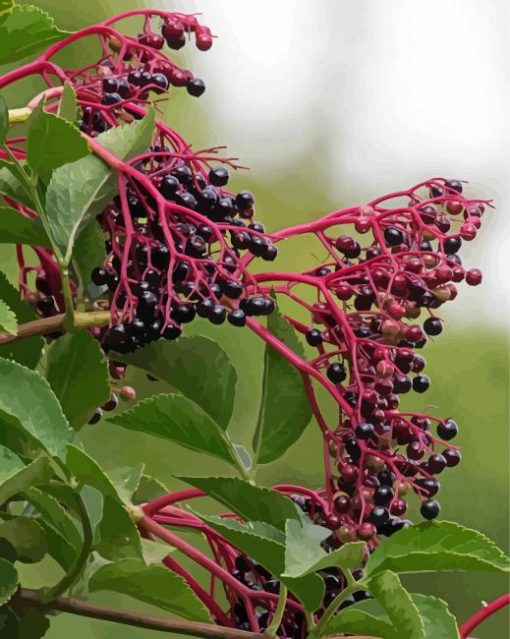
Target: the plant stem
(77, 568)
(47, 325)
(483, 614)
(352, 586)
(68, 298)
(276, 621)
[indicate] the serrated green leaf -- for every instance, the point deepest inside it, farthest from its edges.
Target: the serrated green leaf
(9, 463)
(126, 481)
(8, 581)
(266, 544)
(15, 228)
(25, 30)
(284, 410)
(117, 535)
(251, 503)
(5, 9)
(304, 554)
(25, 351)
(11, 187)
(432, 546)
(52, 142)
(89, 252)
(77, 371)
(68, 107)
(80, 190)
(178, 419)
(54, 513)
(28, 403)
(155, 585)
(438, 620)
(4, 112)
(35, 474)
(177, 364)
(87, 471)
(356, 621)
(155, 551)
(7, 319)
(59, 547)
(398, 605)
(148, 489)
(28, 538)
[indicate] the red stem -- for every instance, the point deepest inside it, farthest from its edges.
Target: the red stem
(484, 613)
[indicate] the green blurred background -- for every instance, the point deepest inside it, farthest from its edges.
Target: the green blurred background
(319, 101)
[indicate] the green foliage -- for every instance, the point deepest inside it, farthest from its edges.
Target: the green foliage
(117, 536)
(28, 403)
(8, 581)
(15, 228)
(80, 190)
(154, 585)
(4, 113)
(177, 419)
(76, 362)
(24, 30)
(27, 537)
(433, 546)
(89, 251)
(251, 503)
(7, 319)
(284, 411)
(52, 141)
(35, 474)
(177, 364)
(68, 106)
(26, 351)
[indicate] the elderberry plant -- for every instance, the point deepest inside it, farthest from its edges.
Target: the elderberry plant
(124, 234)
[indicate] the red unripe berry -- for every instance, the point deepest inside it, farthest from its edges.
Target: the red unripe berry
(395, 310)
(362, 225)
(342, 504)
(390, 328)
(399, 285)
(179, 78)
(349, 473)
(468, 231)
(413, 265)
(173, 30)
(366, 531)
(204, 39)
(398, 508)
(384, 368)
(458, 274)
(414, 333)
(153, 40)
(344, 292)
(453, 291)
(443, 274)
(380, 277)
(454, 207)
(127, 393)
(474, 277)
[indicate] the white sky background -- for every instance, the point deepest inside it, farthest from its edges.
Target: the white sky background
(404, 90)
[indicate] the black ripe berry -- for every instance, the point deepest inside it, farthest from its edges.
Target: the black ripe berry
(383, 495)
(379, 515)
(245, 200)
(218, 176)
(195, 87)
(237, 317)
(99, 276)
(455, 185)
(169, 186)
(421, 383)
(364, 430)
(432, 326)
(217, 314)
(336, 373)
(184, 313)
(393, 236)
(430, 509)
(98, 413)
(232, 289)
(314, 337)
(452, 457)
(452, 245)
(171, 332)
(447, 430)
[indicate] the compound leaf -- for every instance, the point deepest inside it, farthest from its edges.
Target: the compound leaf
(15, 228)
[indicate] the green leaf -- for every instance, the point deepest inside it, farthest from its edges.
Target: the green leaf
(28, 403)
(177, 419)
(118, 537)
(155, 585)
(433, 546)
(7, 319)
(89, 252)
(15, 228)
(25, 351)
(177, 364)
(35, 474)
(266, 544)
(251, 503)
(4, 113)
(8, 581)
(32, 623)
(68, 107)
(10, 185)
(5, 9)
(356, 621)
(398, 605)
(77, 371)
(9, 463)
(126, 481)
(155, 551)
(285, 410)
(87, 471)
(148, 489)
(24, 31)
(52, 142)
(28, 538)
(80, 190)
(304, 554)
(438, 620)
(54, 513)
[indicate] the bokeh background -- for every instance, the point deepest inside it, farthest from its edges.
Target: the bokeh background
(332, 103)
